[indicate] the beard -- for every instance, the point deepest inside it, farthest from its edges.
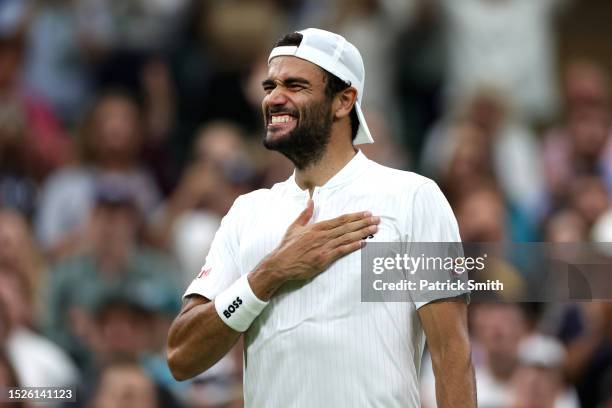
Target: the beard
(305, 144)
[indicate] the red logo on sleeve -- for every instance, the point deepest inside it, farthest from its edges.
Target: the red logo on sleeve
(204, 272)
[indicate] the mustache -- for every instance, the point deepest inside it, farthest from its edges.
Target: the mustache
(281, 109)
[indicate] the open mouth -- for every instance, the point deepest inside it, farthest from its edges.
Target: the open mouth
(281, 120)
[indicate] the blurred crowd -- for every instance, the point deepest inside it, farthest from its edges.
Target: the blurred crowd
(128, 128)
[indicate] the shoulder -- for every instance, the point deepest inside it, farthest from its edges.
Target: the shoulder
(250, 199)
(261, 196)
(396, 182)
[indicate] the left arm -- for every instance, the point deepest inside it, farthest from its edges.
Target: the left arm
(445, 325)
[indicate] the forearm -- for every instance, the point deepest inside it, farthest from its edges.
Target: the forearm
(455, 382)
(198, 339)
(445, 325)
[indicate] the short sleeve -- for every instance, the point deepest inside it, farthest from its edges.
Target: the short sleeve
(432, 221)
(432, 218)
(221, 267)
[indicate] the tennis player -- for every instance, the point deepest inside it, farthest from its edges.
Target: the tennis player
(284, 267)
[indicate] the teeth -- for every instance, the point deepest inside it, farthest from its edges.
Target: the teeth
(281, 119)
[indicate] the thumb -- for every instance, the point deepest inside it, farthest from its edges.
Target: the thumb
(305, 215)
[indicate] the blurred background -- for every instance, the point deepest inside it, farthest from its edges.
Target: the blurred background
(128, 127)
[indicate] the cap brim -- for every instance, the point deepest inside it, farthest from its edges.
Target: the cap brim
(363, 134)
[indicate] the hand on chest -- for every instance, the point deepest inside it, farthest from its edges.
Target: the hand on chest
(264, 231)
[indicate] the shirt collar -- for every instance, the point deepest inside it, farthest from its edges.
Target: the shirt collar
(348, 173)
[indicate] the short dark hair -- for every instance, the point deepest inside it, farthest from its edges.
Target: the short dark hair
(333, 83)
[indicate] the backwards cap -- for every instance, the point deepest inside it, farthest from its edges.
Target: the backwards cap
(336, 55)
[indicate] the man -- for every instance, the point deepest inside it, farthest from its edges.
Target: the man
(289, 277)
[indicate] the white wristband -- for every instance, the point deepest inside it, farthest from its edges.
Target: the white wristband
(238, 306)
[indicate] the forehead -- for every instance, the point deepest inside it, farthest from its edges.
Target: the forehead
(287, 66)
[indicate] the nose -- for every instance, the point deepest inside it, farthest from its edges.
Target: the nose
(276, 97)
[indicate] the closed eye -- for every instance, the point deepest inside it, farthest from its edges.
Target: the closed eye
(292, 84)
(268, 85)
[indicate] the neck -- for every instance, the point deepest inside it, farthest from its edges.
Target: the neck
(339, 152)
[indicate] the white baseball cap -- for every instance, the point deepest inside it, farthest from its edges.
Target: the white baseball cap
(336, 55)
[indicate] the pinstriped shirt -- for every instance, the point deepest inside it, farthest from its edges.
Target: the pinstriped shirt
(317, 344)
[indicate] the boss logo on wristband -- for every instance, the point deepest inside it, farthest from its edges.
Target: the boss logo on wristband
(233, 307)
(238, 306)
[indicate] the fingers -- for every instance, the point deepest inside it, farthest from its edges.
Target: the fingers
(305, 215)
(349, 237)
(353, 236)
(353, 226)
(346, 249)
(343, 219)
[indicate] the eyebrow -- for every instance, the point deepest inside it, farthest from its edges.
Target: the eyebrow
(286, 81)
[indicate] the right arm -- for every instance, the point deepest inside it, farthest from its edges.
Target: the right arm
(198, 338)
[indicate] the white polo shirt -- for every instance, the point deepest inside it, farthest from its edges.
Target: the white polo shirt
(317, 344)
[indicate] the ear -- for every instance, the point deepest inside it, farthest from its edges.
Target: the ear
(344, 102)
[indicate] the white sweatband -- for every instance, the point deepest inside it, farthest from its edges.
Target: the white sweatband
(238, 306)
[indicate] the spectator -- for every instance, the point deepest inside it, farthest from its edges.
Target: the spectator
(38, 362)
(113, 256)
(214, 68)
(128, 323)
(581, 144)
(566, 226)
(125, 385)
(510, 147)
(580, 150)
(482, 216)
(588, 196)
(56, 57)
(19, 252)
(469, 162)
(498, 329)
(508, 44)
(538, 380)
(45, 145)
(221, 170)
(586, 87)
(112, 139)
